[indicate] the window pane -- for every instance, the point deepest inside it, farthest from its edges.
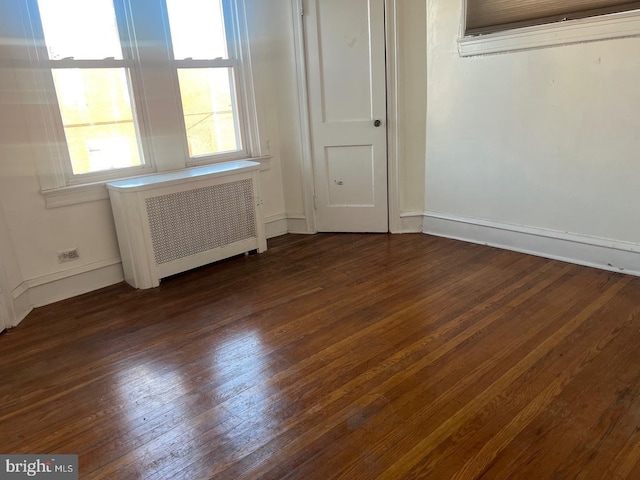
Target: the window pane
(209, 110)
(98, 118)
(197, 29)
(82, 29)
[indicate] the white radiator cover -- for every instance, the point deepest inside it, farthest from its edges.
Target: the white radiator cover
(172, 222)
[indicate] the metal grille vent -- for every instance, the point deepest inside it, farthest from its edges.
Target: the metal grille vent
(194, 221)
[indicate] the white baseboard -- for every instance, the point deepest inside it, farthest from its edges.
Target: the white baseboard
(275, 225)
(297, 223)
(411, 222)
(596, 252)
(70, 283)
(21, 308)
(58, 286)
(612, 255)
(17, 307)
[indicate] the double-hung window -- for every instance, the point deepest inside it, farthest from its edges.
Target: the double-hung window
(92, 79)
(135, 86)
(206, 77)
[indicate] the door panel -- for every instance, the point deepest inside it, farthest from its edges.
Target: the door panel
(347, 94)
(344, 60)
(352, 165)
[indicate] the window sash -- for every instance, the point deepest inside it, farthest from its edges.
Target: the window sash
(59, 148)
(489, 16)
(239, 150)
(239, 89)
(102, 122)
(182, 18)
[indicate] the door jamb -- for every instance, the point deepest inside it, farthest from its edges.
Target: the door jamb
(393, 144)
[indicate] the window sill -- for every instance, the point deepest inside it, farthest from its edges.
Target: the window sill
(619, 25)
(91, 192)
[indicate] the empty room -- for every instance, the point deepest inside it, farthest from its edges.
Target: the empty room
(313, 239)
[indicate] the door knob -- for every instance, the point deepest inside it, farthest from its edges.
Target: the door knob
(377, 123)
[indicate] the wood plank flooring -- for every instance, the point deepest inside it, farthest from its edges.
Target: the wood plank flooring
(337, 356)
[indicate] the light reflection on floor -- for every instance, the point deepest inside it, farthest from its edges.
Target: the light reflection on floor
(231, 408)
(151, 396)
(243, 358)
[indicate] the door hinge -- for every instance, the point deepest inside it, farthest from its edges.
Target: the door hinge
(301, 8)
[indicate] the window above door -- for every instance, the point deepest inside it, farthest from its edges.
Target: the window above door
(497, 26)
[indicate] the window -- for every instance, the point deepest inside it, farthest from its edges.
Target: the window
(92, 82)
(491, 26)
(206, 76)
(133, 87)
(488, 16)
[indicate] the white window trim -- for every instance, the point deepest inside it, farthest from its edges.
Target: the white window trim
(56, 186)
(603, 27)
(91, 192)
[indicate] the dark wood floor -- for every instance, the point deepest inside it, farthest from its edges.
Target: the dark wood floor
(338, 356)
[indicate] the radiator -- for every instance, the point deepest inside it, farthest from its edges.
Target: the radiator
(172, 222)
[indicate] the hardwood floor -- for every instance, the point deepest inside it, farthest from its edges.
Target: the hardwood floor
(338, 356)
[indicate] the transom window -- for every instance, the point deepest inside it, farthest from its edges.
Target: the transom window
(499, 26)
(487, 16)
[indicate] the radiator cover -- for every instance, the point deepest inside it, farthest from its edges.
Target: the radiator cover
(169, 223)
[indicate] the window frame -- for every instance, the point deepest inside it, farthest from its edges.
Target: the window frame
(237, 61)
(589, 29)
(57, 139)
(59, 186)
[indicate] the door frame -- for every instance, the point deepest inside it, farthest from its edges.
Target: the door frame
(393, 143)
(4, 313)
(7, 313)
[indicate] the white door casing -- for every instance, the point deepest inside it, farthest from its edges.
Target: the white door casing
(345, 49)
(5, 319)
(4, 313)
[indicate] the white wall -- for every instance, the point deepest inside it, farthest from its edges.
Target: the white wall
(541, 143)
(12, 311)
(271, 30)
(547, 139)
(412, 102)
(38, 233)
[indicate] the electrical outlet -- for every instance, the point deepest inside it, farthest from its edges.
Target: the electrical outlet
(68, 255)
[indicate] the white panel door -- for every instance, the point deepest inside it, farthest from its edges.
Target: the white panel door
(345, 41)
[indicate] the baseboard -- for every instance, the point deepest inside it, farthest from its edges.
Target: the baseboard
(70, 283)
(612, 255)
(58, 286)
(411, 222)
(275, 225)
(20, 306)
(297, 223)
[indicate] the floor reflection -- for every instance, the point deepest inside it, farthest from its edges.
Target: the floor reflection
(241, 362)
(196, 410)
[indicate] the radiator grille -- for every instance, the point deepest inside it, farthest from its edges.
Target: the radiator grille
(194, 221)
